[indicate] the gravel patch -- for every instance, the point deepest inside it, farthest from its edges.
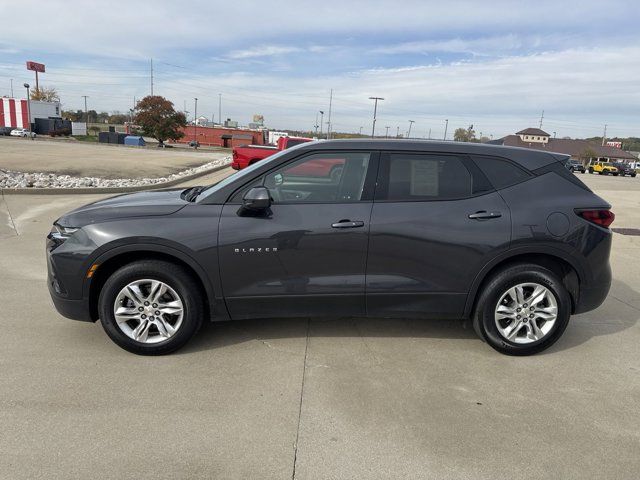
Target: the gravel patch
(12, 179)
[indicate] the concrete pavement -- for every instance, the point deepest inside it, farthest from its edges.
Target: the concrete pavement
(333, 399)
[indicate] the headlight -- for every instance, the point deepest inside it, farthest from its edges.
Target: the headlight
(58, 235)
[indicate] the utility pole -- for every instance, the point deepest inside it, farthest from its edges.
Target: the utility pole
(386, 134)
(541, 118)
(220, 108)
(411, 122)
(446, 126)
(375, 111)
(86, 116)
(316, 125)
(604, 135)
(321, 118)
(195, 124)
(329, 116)
(151, 77)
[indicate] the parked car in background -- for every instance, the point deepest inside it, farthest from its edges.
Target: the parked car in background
(408, 229)
(603, 168)
(246, 155)
(576, 166)
(22, 132)
(5, 131)
(625, 169)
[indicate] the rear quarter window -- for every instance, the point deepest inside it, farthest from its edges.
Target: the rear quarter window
(500, 172)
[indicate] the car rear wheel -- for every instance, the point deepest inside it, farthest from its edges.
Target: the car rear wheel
(150, 307)
(523, 310)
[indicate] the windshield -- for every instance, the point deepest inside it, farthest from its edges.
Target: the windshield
(245, 172)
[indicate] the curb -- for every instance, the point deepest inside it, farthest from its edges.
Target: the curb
(98, 190)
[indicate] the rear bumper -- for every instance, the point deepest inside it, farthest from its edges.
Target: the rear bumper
(235, 165)
(592, 295)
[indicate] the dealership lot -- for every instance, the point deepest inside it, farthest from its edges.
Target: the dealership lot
(349, 398)
(81, 159)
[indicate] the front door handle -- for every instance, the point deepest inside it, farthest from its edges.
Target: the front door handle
(347, 224)
(484, 215)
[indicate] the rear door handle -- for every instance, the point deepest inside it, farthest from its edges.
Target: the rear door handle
(484, 215)
(347, 224)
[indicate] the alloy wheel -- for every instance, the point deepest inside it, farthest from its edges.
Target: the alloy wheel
(148, 311)
(526, 313)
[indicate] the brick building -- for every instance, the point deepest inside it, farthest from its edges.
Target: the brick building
(581, 150)
(222, 137)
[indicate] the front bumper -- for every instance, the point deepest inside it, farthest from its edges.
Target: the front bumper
(70, 308)
(73, 308)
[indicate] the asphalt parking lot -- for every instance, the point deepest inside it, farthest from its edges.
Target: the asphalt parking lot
(320, 399)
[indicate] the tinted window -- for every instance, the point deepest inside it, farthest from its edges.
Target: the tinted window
(293, 143)
(423, 177)
(501, 173)
(320, 178)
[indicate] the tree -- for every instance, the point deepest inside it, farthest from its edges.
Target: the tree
(45, 94)
(118, 118)
(465, 135)
(73, 116)
(158, 119)
(102, 117)
(587, 154)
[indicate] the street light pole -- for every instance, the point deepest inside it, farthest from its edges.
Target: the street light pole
(195, 124)
(375, 111)
(26, 85)
(446, 126)
(220, 109)
(316, 124)
(411, 122)
(398, 131)
(86, 115)
(360, 132)
(321, 118)
(386, 134)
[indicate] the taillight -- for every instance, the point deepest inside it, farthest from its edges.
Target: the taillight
(604, 218)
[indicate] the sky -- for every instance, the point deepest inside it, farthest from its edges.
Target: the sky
(496, 64)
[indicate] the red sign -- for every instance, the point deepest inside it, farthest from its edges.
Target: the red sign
(35, 66)
(614, 144)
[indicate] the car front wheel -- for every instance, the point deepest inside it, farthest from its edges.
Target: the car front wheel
(523, 310)
(150, 307)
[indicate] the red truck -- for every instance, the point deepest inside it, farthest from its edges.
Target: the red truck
(247, 154)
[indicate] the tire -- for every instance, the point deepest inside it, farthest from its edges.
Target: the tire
(485, 318)
(615, 175)
(183, 294)
(590, 170)
(633, 175)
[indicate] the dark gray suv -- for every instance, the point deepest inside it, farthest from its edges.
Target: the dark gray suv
(507, 238)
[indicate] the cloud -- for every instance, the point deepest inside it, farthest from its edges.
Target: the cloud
(262, 51)
(430, 60)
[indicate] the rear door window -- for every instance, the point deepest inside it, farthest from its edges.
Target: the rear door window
(423, 177)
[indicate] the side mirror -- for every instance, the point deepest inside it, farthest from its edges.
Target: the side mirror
(258, 198)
